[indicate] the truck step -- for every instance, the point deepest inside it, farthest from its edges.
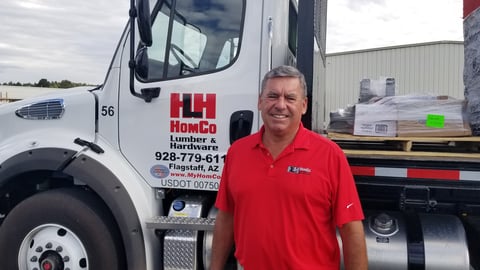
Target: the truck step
(180, 223)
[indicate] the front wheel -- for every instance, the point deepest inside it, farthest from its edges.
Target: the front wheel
(58, 230)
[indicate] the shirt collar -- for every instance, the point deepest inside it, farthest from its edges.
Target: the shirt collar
(301, 140)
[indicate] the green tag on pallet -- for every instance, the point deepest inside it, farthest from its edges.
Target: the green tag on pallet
(435, 121)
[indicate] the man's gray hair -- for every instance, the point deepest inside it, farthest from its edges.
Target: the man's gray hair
(285, 71)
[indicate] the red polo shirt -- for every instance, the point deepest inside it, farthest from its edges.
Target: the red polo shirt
(286, 210)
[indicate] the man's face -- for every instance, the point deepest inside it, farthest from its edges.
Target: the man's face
(282, 104)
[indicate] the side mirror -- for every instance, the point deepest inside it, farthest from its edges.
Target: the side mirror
(140, 63)
(144, 22)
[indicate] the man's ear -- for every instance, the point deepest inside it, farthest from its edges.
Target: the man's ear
(305, 105)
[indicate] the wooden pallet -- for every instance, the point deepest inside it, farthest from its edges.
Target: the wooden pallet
(462, 147)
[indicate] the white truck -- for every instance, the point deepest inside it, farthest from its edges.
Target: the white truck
(124, 175)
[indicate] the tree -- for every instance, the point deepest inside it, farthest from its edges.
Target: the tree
(43, 83)
(49, 84)
(65, 84)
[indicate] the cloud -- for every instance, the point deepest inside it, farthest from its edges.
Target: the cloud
(75, 40)
(362, 24)
(71, 40)
(363, 4)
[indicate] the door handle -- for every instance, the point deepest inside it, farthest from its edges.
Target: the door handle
(240, 124)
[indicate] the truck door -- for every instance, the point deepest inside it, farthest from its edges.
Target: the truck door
(205, 59)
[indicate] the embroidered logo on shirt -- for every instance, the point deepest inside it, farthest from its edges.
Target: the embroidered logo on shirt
(298, 170)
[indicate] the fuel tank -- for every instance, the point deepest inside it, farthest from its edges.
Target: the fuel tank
(399, 241)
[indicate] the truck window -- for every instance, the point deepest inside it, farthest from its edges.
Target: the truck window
(193, 37)
(228, 53)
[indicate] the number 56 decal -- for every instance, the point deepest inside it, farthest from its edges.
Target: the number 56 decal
(108, 111)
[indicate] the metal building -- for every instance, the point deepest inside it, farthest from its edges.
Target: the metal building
(426, 68)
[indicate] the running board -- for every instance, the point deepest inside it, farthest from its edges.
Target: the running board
(180, 223)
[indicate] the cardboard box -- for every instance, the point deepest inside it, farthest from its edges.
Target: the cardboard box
(375, 120)
(412, 116)
(408, 128)
(376, 88)
(376, 128)
(439, 116)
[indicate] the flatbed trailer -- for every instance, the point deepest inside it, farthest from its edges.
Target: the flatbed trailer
(444, 148)
(410, 177)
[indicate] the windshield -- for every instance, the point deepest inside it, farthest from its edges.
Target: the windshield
(193, 37)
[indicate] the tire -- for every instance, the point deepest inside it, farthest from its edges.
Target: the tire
(66, 228)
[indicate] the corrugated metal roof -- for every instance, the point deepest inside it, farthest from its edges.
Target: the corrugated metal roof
(397, 47)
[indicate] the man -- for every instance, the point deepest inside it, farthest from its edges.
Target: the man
(285, 190)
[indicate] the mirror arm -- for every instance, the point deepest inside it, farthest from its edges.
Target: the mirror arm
(149, 93)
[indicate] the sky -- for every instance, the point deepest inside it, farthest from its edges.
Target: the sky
(75, 40)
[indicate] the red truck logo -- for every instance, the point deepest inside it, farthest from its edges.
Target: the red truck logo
(193, 106)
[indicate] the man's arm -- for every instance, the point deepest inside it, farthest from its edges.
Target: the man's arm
(354, 246)
(222, 240)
